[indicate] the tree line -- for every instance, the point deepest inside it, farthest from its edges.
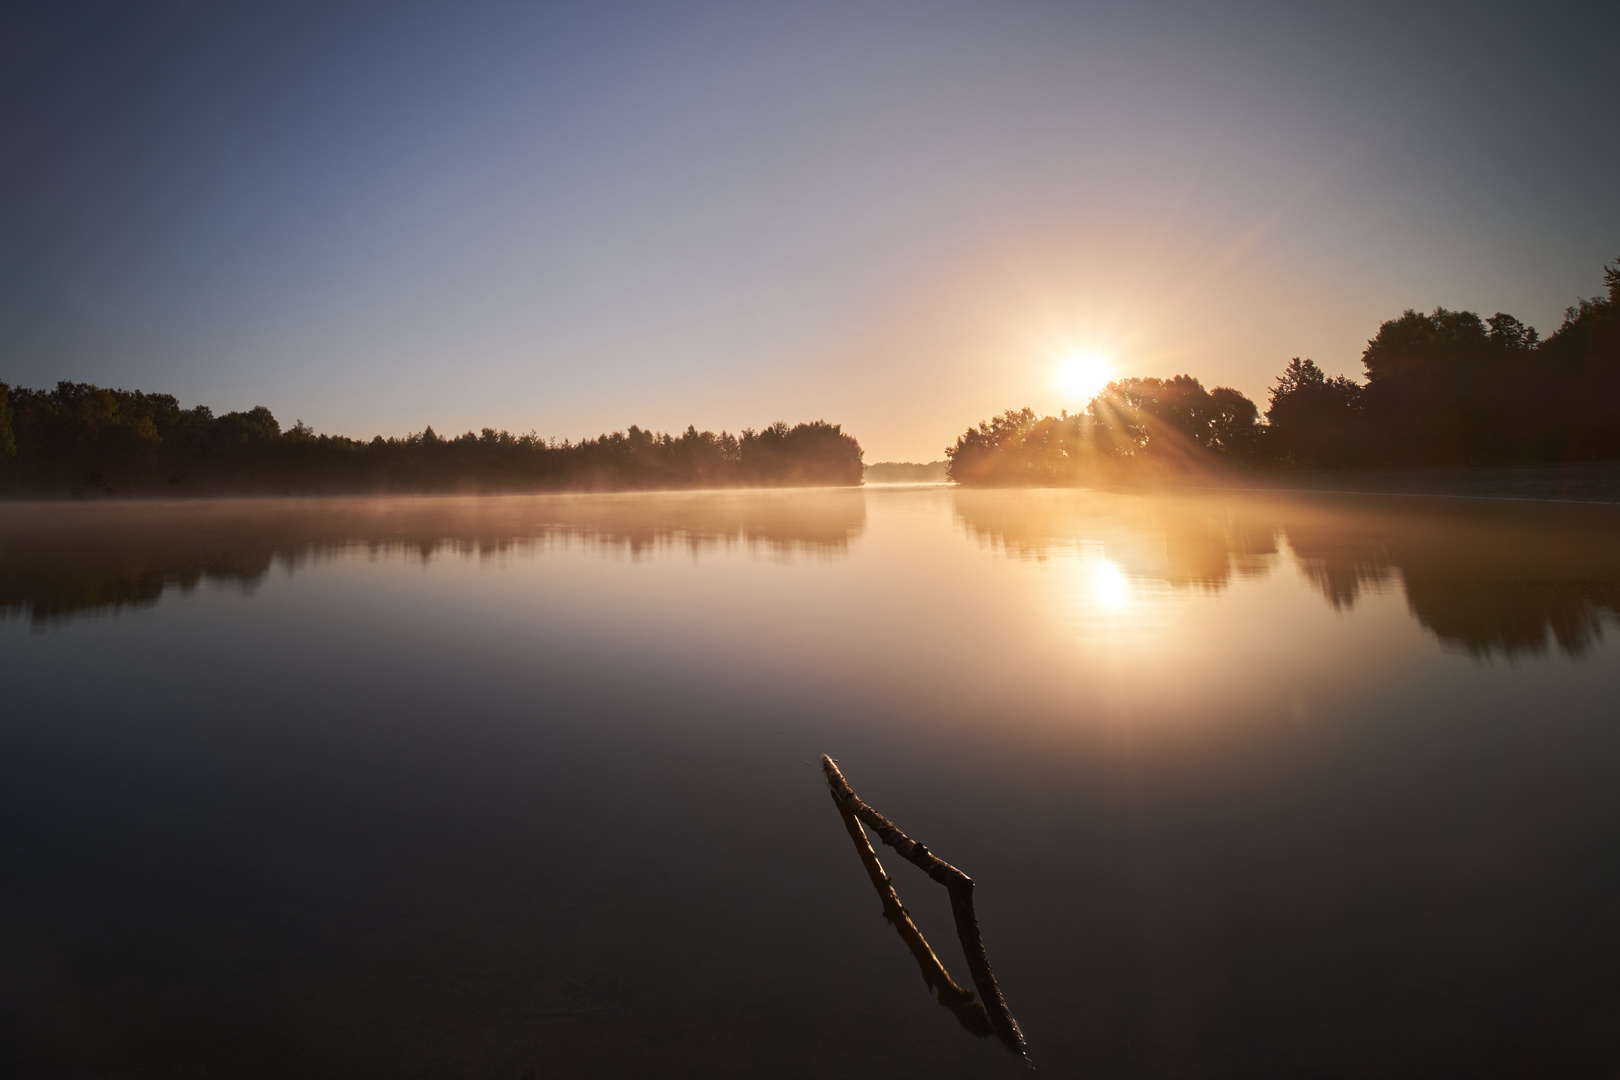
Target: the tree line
(1443, 389)
(80, 439)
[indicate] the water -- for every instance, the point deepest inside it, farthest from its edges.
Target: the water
(1250, 785)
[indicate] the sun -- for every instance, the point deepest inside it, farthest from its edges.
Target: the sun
(1083, 376)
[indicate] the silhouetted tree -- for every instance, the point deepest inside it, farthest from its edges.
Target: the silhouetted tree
(1451, 388)
(1233, 424)
(814, 453)
(1176, 420)
(8, 443)
(1443, 388)
(1017, 447)
(1429, 379)
(1312, 419)
(1583, 358)
(1137, 424)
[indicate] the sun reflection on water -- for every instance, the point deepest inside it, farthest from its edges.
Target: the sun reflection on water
(1112, 588)
(1099, 599)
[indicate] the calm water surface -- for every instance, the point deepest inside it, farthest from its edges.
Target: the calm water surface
(524, 787)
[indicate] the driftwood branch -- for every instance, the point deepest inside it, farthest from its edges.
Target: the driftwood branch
(957, 884)
(960, 1001)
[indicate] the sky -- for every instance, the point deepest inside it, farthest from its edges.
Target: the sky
(900, 217)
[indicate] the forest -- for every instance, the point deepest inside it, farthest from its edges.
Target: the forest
(82, 440)
(1444, 389)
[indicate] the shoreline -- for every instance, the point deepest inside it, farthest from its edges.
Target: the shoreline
(1577, 482)
(1593, 483)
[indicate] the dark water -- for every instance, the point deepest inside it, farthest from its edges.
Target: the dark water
(1251, 786)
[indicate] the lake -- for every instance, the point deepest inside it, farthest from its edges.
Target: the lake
(1251, 785)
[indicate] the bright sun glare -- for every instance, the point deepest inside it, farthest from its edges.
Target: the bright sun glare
(1111, 586)
(1083, 377)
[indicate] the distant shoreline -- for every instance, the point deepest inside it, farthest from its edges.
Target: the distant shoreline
(85, 440)
(906, 472)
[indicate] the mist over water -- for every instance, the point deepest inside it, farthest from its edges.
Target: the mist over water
(522, 786)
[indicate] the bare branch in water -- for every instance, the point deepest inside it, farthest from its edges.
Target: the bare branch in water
(960, 888)
(960, 1001)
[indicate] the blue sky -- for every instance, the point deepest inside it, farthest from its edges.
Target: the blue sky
(901, 217)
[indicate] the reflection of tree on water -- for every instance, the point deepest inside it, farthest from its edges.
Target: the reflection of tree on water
(1492, 578)
(62, 559)
(1341, 560)
(1185, 545)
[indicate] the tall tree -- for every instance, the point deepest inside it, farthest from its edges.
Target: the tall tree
(1312, 419)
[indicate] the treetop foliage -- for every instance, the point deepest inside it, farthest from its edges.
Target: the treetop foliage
(1158, 424)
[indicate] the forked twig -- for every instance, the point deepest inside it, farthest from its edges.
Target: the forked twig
(960, 888)
(956, 998)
